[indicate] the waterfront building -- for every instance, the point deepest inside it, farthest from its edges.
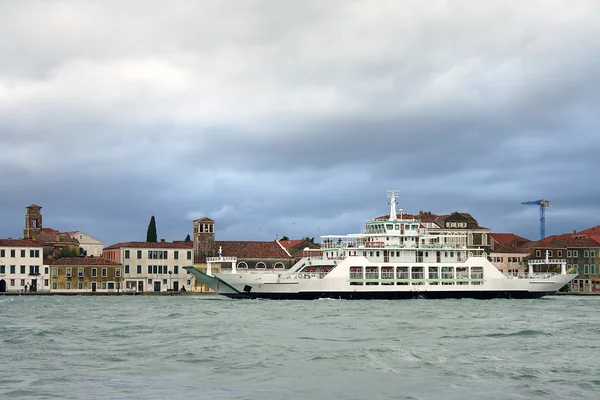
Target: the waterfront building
(89, 245)
(509, 260)
(581, 254)
(257, 255)
(84, 275)
(210, 254)
(153, 266)
(22, 266)
(52, 240)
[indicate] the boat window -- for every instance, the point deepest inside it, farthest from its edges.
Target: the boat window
(279, 266)
(389, 227)
(462, 275)
(242, 265)
(261, 265)
(417, 273)
(396, 227)
(372, 273)
(387, 273)
(356, 273)
(476, 273)
(402, 273)
(434, 273)
(447, 274)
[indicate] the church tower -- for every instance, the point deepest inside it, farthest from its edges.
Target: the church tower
(204, 239)
(33, 222)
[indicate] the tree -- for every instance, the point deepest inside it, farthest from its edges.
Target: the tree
(151, 235)
(187, 238)
(68, 251)
(312, 239)
(285, 238)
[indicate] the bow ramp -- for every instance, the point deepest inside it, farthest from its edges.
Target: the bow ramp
(211, 281)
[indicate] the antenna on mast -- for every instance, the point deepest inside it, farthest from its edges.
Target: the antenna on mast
(392, 194)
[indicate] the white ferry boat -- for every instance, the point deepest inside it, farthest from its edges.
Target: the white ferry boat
(396, 258)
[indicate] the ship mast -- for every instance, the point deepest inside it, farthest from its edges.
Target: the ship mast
(392, 194)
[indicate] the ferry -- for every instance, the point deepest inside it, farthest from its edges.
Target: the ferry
(397, 257)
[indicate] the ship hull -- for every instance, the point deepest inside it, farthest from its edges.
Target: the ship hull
(393, 295)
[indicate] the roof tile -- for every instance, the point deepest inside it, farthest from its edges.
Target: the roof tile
(19, 243)
(152, 245)
(80, 261)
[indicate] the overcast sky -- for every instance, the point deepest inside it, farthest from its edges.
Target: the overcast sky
(294, 118)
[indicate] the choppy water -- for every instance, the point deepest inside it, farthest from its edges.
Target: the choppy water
(208, 347)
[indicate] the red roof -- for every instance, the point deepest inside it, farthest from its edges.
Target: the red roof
(570, 241)
(291, 243)
(81, 261)
(505, 239)
(503, 249)
(19, 243)
(246, 249)
(49, 236)
(152, 245)
(542, 244)
(590, 231)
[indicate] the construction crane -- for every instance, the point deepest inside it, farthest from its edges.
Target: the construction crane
(543, 204)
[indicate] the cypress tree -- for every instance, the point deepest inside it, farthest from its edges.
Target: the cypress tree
(151, 235)
(188, 238)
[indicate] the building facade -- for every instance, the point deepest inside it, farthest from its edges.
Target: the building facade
(153, 266)
(510, 261)
(89, 245)
(72, 275)
(583, 256)
(22, 266)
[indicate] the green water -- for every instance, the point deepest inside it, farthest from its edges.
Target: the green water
(55, 347)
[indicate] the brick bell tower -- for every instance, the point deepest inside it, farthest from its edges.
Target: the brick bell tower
(33, 222)
(204, 239)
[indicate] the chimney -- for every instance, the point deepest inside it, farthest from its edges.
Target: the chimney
(162, 240)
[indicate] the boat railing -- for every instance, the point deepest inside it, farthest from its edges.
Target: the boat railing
(538, 275)
(389, 246)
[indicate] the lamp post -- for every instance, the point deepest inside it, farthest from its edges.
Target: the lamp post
(170, 287)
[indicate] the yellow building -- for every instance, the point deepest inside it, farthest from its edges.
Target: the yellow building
(73, 275)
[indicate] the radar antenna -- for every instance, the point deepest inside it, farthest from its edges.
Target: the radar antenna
(392, 194)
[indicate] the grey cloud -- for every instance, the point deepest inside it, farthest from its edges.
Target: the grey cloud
(295, 117)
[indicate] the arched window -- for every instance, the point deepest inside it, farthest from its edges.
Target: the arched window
(279, 266)
(261, 265)
(242, 265)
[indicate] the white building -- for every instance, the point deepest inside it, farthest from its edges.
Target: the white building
(21, 266)
(92, 246)
(153, 266)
